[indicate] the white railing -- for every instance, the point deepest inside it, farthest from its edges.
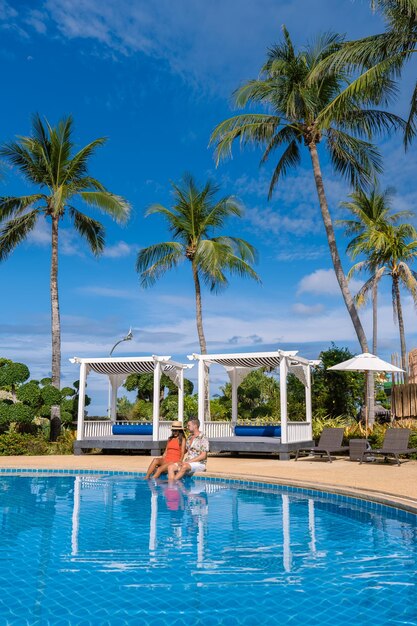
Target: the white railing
(218, 429)
(96, 428)
(298, 431)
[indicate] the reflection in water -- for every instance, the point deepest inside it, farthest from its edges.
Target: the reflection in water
(124, 547)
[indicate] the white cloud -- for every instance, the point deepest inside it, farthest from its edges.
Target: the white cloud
(107, 292)
(6, 10)
(41, 234)
(301, 253)
(307, 309)
(194, 39)
(118, 250)
(324, 282)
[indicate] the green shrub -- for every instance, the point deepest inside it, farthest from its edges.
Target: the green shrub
(16, 444)
(29, 393)
(65, 442)
(142, 410)
(51, 395)
(12, 374)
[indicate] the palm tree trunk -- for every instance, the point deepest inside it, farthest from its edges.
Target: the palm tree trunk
(397, 296)
(374, 317)
(56, 330)
(198, 310)
(331, 239)
(371, 376)
(201, 338)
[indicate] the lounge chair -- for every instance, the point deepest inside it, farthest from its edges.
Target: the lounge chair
(330, 441)
(395, 443)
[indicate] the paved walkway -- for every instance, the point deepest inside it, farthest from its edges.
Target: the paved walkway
(380, 481)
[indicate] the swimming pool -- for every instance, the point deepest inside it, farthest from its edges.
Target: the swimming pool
(108, 549)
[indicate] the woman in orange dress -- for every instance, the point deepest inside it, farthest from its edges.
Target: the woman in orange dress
(174, 452)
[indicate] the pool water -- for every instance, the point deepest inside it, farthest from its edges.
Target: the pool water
(108, 549)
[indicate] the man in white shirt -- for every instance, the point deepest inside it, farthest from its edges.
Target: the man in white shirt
(196, 449)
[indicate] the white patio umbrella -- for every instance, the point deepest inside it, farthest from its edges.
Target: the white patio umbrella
(365, 362)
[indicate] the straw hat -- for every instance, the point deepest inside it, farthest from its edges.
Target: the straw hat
(177, 426)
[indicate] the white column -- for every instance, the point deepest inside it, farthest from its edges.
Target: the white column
(234, 397)
(113, 403)
(81, 402)
(201, 391)
(181, 396)
(283, 370)
(309, 416)
(156, 392)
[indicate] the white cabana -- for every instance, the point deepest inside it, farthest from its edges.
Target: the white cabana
(117, 369)
(238, 366)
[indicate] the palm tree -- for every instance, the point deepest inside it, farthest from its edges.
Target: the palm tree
(47, 160)
(372, 59)
(294, 103)
(394, 249)
(193, 219)
(372, 212)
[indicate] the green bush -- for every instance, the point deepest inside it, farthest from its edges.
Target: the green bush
(29, 393)
(142, 410)
(65, 442)
(51, 395)
(16, 444)
(12, 374)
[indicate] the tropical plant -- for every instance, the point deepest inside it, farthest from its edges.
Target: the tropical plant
(12, 375)
(372, 212)
(46, 159)
(258, 397)
(336, 394)
(143, 385)
(395, 250)
(196, 215)
(372, 59)
(295, 102)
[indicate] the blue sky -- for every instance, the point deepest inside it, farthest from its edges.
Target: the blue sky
(155, 77)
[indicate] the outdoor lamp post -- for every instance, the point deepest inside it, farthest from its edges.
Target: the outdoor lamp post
(128, 337)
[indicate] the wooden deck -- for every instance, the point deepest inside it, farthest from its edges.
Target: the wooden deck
(238, 445)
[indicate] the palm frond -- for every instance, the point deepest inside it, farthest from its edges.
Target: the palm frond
(355, 159)
(244, 249)
(250, 128)
(15, 231)
(291, 157)
(154, 261)
(91, 230)
(215, 257)
(367, 122)
(17, 205)
(115, 206)
(410, 129)
(78, 165)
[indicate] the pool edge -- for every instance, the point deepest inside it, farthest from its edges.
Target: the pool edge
(389, 500)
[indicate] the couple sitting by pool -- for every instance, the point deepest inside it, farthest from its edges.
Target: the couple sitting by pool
(182, 456)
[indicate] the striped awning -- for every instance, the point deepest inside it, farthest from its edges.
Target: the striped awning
(113, 366)
(129, 367)
(248, 360)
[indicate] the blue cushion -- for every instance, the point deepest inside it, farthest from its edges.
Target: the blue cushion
(258, 431)
(132, 429)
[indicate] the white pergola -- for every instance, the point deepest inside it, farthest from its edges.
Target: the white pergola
(238, 366)
(118, 368)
